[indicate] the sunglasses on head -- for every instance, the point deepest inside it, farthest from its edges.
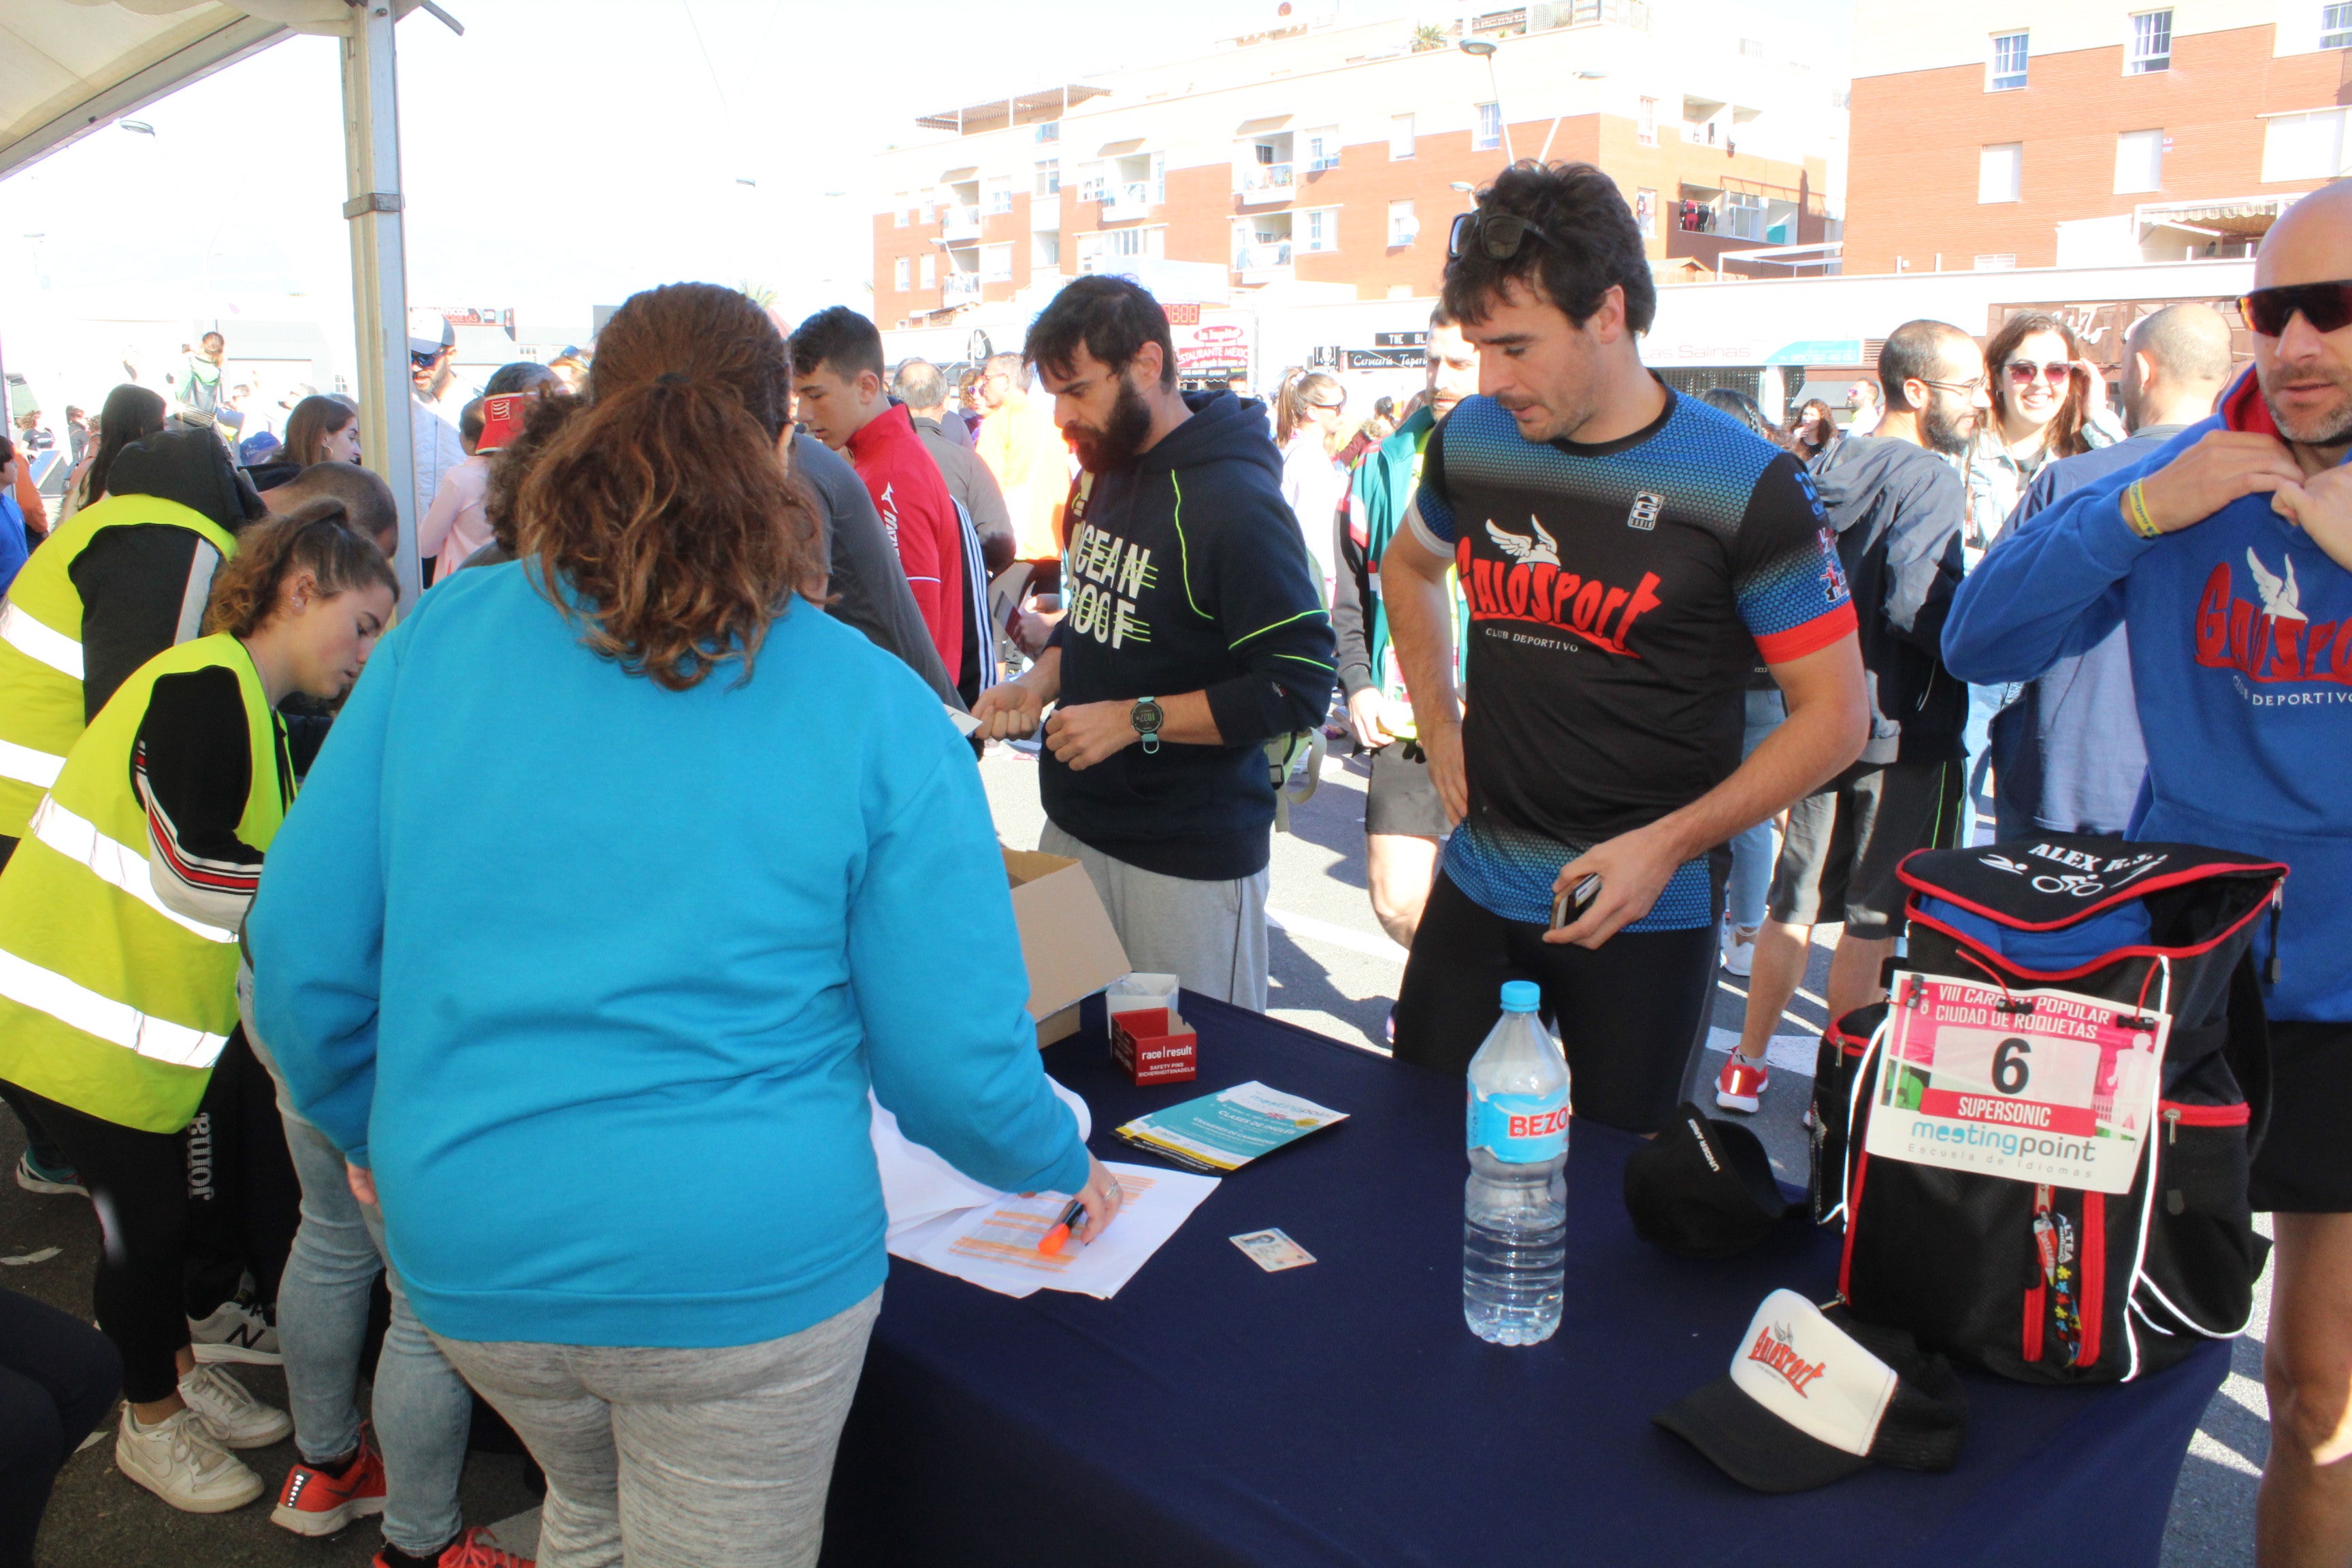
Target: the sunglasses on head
(1497, 235)
(2326, 306)
(2022, 372)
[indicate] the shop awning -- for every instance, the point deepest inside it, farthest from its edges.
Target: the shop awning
(2247, 215)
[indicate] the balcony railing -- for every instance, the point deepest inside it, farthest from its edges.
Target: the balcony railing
(960, 222)
(959, 288)
(1132, 200)
(1260, 257)
(1265, 183)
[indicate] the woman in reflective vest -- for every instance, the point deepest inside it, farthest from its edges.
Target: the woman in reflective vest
(120, 916)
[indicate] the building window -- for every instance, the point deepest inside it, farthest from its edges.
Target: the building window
(1049, 178)
(2140, 162)
(996, 264)
(1094, 182)
(1401, 136)
(1646, 128)
(902, 273)
(2008, 62)
(1322, 148)
(999, 196)
(1645, 212)
(2336, 26)
(1490, 133)
(1403, 227)
(899, 210)
(1049, 131)
(1046, 252)
(2001, 173)
(2151, 44)
(2005, 262)
(931, 271)
(2304, 146)
(1752, 47)
(1321, 229)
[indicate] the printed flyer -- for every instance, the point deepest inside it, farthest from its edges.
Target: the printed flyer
(2035, 1086)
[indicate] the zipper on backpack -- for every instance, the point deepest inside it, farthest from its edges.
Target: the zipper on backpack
(2176, 1114)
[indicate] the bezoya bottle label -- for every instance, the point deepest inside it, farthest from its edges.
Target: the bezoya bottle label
(1520, 1129)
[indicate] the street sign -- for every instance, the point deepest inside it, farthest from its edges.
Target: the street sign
(1401, 339)
(1382, 359)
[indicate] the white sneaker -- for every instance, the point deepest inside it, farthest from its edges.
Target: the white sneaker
(230, 1412)
(236, 1330)
(1739, 949)
(181, 1462)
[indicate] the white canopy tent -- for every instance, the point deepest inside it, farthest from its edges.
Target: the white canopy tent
(69, 67)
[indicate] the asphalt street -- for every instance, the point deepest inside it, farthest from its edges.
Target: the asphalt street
(1333, 971)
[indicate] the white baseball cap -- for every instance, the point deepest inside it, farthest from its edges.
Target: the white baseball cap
(429, 332)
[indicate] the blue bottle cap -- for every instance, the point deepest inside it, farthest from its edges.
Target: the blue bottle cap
(1521, 996)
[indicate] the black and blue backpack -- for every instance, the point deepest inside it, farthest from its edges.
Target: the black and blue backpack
(2042, 1283)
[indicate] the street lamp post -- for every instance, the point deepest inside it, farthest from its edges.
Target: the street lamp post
(1483, 48)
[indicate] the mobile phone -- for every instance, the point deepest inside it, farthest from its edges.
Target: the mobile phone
(1567, 907)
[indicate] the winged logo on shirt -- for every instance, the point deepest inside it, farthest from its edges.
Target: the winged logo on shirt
(1543, 549)
(2281, 596)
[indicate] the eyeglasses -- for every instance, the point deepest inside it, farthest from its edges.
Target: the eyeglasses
(1338, 407)
(1498, 235)
(2022, 372)
(1967, 389)
(2326, 306)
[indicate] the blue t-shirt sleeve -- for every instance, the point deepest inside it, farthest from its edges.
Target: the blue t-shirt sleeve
(1429, 499)
(1790, 587)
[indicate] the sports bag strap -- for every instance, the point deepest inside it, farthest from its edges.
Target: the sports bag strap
(1282, 755)
(2248, 1049)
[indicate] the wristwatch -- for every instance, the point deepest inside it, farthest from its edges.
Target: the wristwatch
(1147, 717)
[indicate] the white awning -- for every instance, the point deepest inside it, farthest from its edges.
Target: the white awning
(2250, 215)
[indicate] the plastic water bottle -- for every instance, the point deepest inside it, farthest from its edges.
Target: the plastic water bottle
(1515, 1209)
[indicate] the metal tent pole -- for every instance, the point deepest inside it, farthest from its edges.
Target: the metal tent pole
(379, 269)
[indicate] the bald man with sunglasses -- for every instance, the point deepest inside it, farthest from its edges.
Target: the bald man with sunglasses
(2228, 555)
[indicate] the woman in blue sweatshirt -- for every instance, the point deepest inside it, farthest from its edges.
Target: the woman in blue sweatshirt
(600, 1039)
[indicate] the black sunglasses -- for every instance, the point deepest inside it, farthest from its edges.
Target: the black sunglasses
(1500, 235)
(2326, 306)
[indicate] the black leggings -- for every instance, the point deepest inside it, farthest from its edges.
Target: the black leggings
(1629, 1012)
(139, 1184)
(58, 1379)
(245, 1200)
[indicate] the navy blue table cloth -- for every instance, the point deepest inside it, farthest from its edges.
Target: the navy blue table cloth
(1341, 1414)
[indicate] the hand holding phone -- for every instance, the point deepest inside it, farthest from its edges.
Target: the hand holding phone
(1567, 907)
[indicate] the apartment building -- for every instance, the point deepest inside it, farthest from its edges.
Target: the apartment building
(1323, 162)
(2096, 133)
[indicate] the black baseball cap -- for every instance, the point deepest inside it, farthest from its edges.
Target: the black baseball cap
(1703, 1188)
(1813, 1397)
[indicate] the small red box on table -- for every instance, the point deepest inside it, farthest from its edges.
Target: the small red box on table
(1153, 1044)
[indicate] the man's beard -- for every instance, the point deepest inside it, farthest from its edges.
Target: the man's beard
(2331, 427)
(1942, 431)
(1115, 444)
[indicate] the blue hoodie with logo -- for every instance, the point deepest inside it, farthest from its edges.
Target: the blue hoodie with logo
(2241, 633)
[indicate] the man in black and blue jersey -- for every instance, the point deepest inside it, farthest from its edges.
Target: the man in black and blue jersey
(1628, 555)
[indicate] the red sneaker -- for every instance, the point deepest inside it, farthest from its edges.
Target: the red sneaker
(1741, 1085)
(472, 1550)
(319, 1501)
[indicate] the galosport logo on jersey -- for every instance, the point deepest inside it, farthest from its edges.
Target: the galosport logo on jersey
(1531, 586)
(2270, 637)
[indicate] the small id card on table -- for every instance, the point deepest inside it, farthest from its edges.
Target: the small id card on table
(1273, 1251)
(2035, 1086)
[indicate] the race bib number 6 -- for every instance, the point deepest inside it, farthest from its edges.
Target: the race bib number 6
(2034, 1086)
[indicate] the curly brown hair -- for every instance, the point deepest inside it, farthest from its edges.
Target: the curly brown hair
(318, 537)
(662, 516)
(2063, 435)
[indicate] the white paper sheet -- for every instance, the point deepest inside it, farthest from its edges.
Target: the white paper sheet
(995, 1245)
(917, 1186)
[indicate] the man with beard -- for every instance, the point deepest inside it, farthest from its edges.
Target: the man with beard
(2227, 555)
(1898, 508)
(1194, 633)
(1628, 555)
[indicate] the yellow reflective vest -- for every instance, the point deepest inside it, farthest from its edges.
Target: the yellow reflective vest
(41, 704)
(111, 1001)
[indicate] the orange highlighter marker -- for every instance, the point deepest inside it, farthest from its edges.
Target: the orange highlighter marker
(1055, 1239)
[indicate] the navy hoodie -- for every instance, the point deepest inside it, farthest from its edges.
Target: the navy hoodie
(2242, 666)
(1186, 572)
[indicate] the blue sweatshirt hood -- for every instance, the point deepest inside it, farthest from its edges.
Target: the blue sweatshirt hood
(1223, 428)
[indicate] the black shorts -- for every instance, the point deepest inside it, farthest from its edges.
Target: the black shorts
(2305, 1164)
(1846, 839)
(1629, 1012)
(1402, 797)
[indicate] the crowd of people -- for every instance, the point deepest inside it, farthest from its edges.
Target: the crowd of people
(1647, 684)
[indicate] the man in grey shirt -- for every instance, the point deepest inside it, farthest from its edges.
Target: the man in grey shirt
(919, 386)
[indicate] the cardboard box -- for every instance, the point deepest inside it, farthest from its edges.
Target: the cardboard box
(1154, 1045)
(1066, 940)
(1137, 991)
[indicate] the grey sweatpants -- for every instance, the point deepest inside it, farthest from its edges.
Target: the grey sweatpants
(1210, 935)
(679, 1458)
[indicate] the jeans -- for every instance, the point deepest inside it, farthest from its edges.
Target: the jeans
(1984, 701)
(423, 1410)
(1752, 852)
(715, 1457)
